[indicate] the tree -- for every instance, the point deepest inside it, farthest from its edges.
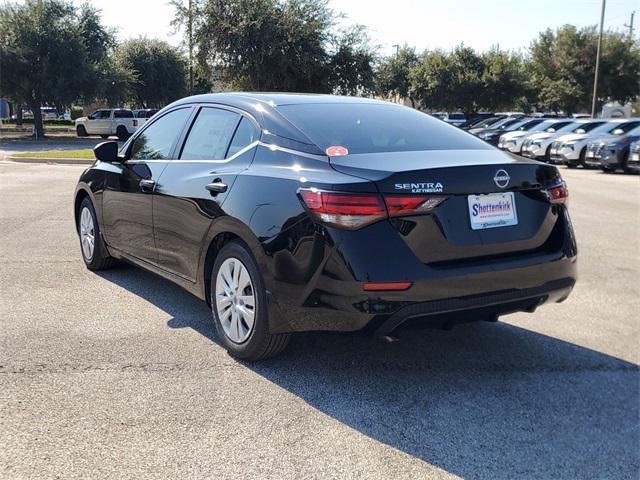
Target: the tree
(50, 52)
(505, 81)
(158, 69)
(563, 67)
(393, 74)
(467, 81)
(449, 81)
(276, 45)
(351, 68)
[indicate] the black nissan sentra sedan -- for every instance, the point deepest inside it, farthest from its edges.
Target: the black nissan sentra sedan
(291, 212)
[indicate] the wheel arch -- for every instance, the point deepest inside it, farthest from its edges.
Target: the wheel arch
(223, 231)
(82, 192)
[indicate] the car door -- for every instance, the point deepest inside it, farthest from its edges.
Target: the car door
(93, 122)
(103, 122)
(127, 198)
(192, 189)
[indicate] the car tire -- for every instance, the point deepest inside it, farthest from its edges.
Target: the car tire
(624, 163)
(81, 131)
(92, 247)
(581, 158)
(242, 328)
(122, 133)
(547, 155)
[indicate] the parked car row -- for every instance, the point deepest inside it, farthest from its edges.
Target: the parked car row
(121, 122)
(588, 142)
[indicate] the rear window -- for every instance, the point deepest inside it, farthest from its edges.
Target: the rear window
(367, 128)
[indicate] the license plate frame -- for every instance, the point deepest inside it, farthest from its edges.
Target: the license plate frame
(492, 210)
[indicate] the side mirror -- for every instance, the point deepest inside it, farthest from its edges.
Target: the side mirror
(107, 151)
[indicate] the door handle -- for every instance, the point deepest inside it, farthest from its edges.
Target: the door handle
(147, 186)
(216, 186)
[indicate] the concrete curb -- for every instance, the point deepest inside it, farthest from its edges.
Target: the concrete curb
(61, 161)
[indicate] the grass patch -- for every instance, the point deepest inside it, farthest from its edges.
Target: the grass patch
(85, 154)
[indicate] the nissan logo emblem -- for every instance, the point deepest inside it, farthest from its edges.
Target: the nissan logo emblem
(501, 178)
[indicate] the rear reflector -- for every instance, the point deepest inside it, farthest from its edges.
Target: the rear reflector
(355, 210)
(559, 194)
(386, 286)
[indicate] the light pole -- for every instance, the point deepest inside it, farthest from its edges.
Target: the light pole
(595, 80)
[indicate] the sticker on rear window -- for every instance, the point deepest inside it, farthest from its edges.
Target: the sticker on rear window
(336, 151)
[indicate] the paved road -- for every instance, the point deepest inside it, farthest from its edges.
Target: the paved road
(119, 375)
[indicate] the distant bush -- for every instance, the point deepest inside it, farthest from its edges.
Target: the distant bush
(76, 112)
(29, 121)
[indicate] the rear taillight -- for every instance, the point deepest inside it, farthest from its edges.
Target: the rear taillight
(345, 210)
(558, 194)
(356, 210)
(411, 205)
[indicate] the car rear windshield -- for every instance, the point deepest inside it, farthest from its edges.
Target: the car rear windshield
(374, 128)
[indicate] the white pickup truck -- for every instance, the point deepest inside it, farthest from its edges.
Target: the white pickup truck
(117, 121)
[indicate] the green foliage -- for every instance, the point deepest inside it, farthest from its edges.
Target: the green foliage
(45, 122)
(563, 66)
(158, 72)
(276, 45)
(351, 70)
(51, 52)
(76, 112)
(393, 74)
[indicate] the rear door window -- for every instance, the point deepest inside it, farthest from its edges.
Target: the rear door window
(246, 134)
(123, 114)
(156, 141)
(210, 134)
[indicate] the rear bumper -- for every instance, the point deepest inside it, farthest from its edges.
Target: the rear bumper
(487, 306)
(521, 284)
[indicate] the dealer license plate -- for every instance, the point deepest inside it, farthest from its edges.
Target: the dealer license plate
(492, 210)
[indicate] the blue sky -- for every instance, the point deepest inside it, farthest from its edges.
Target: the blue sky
(511, 24)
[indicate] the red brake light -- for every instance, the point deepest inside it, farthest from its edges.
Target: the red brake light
(346, 210)
(559, 194)
(355, 210)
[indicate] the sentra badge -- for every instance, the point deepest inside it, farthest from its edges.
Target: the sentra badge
(422, 187)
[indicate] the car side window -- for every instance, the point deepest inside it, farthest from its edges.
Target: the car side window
(210, 134)
(246, 134)
(155, 141)
(104, 114)
(123, 114)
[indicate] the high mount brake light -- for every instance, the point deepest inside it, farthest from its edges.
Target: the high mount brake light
(356, 210)
(559, 194)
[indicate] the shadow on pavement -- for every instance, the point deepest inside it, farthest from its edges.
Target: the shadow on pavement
(481, 401)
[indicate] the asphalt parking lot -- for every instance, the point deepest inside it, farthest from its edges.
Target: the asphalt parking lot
(119, 374)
